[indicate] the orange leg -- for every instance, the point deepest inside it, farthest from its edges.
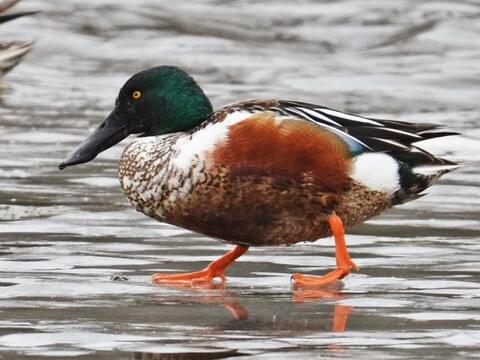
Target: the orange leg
(216, 269)
(344, 263)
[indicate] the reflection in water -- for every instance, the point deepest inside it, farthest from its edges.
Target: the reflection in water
(285, 321)
(238, 311)
(213, 293)
(341, 312)
(332, 291)
(216, 293)
(340, 317)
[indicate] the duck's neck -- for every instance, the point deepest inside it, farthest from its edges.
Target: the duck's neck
(180, 109)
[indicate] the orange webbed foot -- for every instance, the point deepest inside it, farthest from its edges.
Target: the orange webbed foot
(306, 281)
(215, 270)
(344, 263)
(206, 275)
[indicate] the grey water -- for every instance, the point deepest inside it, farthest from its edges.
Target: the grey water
(64, 236)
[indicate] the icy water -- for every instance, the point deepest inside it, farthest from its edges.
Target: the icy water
(65, 234)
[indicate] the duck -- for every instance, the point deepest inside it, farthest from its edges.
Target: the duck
(258, 172)
(12, 52)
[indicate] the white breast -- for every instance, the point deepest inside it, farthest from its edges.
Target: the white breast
(204, 140)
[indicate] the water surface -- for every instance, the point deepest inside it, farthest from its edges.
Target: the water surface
(65, 234)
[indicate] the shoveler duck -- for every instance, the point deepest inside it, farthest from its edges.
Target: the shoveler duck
(260, 172)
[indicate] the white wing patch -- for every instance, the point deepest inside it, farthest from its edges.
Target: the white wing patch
(204, 140)
(377, 171)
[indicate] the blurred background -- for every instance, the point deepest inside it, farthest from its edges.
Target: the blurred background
(63, 235)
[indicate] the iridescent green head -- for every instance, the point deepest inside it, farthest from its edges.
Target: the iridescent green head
(157, 101)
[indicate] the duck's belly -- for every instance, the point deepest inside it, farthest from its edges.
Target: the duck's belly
(261, 211)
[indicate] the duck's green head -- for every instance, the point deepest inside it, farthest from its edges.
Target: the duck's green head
(156, 101)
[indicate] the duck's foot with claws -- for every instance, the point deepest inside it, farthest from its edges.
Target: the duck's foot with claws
(344, 263)
(215, 270)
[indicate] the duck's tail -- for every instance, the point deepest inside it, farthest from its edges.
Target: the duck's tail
(419, 170)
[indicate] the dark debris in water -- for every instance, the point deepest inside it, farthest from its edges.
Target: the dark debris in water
(118, 277)
(192, 355)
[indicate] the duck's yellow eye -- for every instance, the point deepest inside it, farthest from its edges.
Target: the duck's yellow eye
(136, 95)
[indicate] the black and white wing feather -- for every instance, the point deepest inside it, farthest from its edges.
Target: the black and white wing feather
(375, 134)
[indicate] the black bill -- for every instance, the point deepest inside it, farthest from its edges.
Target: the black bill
(110, 132)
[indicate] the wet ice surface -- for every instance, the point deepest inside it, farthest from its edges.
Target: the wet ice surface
(64, 235)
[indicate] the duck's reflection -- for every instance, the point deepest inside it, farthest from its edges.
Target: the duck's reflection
(269, 316)
(212, 293)
(340, 317)
(333, 291)
(340, 313)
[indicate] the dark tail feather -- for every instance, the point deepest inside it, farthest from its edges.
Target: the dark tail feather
(408, 126)
(420, 173)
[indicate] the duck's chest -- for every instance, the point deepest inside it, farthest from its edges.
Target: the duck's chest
(150, 179)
